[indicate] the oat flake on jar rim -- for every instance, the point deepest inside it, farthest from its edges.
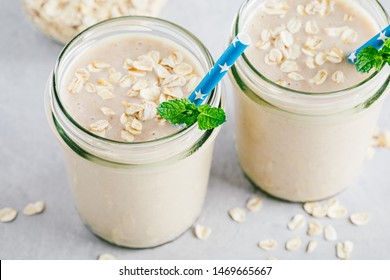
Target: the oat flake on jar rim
(136, 194)
(304, 116)
(61, 20)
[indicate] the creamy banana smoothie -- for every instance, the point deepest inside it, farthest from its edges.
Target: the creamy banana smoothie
(137, 181)
(114, 88)
(304, 115)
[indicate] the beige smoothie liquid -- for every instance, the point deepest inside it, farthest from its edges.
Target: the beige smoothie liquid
(302, 44)
(114, 89)
(137, 181)
(295, 142)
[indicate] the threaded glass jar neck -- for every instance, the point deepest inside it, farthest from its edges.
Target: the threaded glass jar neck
(360, 95)
(176, 145)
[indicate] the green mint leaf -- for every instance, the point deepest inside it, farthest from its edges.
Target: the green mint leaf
(385, 52)
(368, 59)
(385, 49)
(209, 117)
(387, 59)
(182, 111)
(178, 111)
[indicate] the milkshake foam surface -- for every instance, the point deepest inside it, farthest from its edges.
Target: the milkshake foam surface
(302, 44)
(113, 87)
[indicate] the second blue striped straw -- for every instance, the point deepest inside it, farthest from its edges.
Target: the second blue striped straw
(377, 42)
(221, 67)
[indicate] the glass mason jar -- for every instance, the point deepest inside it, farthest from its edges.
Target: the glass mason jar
(142, 194)
(301, 146)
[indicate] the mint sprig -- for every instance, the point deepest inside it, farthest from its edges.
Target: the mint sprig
(183, 111)
(209, 117)
(370, 58)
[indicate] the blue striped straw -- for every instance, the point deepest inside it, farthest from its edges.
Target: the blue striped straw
(219, 70)
(377, 42)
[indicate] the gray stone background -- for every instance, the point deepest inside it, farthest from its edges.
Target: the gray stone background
(31, 166)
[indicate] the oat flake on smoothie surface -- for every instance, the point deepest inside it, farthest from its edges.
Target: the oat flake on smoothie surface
(116, 96)
(301, 44)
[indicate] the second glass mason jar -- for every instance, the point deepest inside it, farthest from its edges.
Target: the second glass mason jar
(301, 146)
(142, 194)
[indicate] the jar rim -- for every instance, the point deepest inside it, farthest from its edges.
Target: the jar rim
(236, 29)
(214, 98)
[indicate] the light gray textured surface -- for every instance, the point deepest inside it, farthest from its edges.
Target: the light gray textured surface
(31, 166)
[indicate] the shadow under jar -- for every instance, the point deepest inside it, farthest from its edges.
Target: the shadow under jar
(303, 146)
(139, 194)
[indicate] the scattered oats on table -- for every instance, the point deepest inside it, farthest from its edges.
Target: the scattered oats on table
(311, 246)
(330, 233)
(344, 250)
(237, 214)
(202, 232)
(359, 219)
(309, 206)
(106, 257)
(61, 20)
(293, 244)
(34, 208)
(254, 204)
(297, 222)
(268, 244)
(8, 215)
(314, 228)
(319, 211)
(337, 212)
